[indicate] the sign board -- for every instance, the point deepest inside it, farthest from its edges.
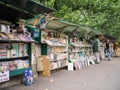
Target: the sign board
(70, 66)
(4, 76)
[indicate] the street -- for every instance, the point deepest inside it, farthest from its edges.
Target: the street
(103, 76)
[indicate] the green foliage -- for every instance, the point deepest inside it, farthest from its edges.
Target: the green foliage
(103, 15)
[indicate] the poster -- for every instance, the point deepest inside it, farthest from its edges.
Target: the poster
(4, 76)
(28, 74)
(70, 66)
(36, 33)
(4, 71)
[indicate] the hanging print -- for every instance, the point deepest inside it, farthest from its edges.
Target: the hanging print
(42, 23)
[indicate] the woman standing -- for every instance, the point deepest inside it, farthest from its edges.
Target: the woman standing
(108, 49)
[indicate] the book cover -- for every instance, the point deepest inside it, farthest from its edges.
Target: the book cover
(20, 64)
(15, 49)
(26, 63)
(25, 49)
(13, 65)
(4, 66)
(13, 53)
(21, 49)
(4, 71)
(8, 54)
(4, 28)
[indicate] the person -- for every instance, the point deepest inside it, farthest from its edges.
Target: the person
(108, 49)
(115, 47)
(96, 48)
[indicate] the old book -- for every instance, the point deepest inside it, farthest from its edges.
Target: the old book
(20, 64)
(13, 65)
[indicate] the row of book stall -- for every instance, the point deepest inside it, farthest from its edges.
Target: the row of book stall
(40, 43)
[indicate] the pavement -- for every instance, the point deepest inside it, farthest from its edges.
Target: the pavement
(103, 76)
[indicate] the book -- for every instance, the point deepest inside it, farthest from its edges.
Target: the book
(15, 50)
(4, 66)
(11, 36)
(21, 37)
(20, 64)
(4, 46)
(4, 71)
(26, 63)
(23, 49)
(4, 28)
(13, 53)
(13, 65)
(8, 53)
(3, 37)
(3, 53)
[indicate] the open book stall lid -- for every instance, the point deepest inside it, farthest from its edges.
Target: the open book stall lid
(13, 10)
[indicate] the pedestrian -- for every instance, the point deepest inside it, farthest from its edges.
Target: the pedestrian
(115, 47)
(108, 49)
(96, 48)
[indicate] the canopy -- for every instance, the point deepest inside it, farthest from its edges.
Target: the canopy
(63, 26)
(12, 10)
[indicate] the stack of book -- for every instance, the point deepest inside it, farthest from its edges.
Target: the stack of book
(3, 53)
(54, 65)
(18, 50)
(3, 37)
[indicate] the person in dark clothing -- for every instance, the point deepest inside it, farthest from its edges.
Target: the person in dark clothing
(108, 49)
(96, 48)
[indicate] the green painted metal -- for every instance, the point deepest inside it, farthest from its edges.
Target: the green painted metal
(29, 53)
(29, 6)
(31, 19)
(31, 30)
(67, 23)
(18, 71)
(68, 49)
(43, 49)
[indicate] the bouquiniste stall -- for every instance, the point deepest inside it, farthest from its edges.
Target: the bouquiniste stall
(15, 40)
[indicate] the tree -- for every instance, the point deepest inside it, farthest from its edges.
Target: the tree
(102, 15)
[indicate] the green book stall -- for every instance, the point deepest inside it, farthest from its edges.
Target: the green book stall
(54, 45)
(79, 51)
(15, 54)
